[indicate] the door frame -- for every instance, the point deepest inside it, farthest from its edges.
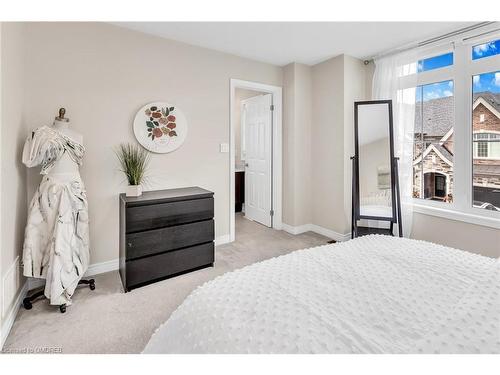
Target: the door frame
(276, 154)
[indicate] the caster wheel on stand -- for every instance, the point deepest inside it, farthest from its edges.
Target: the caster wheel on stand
(27, 304)
(62, 309)
(92, 284)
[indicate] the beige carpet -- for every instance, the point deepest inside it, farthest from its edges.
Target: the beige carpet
(109, 321)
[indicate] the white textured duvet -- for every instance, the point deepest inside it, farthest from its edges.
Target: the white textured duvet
(374, 294)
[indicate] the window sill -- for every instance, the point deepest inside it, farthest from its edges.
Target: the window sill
(467, 217)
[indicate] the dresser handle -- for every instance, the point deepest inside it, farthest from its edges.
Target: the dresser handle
(129, 244)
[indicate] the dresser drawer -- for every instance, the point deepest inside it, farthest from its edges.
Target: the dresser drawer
(139, 218)
(143, 270)
(165, 239)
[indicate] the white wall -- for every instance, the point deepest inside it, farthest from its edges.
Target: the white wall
(337, 83)
(327, 134)
(288, 177)
(460, 235)
(13, 204)
(297, 134)
(103, 74)
(355, 89)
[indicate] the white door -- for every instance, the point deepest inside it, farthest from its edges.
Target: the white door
(258, 133)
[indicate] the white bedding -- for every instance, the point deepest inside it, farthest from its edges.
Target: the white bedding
(374, 294)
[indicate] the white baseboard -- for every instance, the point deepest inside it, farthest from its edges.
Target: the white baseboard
(296, 229)
(12, 282)
(94, 269)
(108, 266)
(33, 283)
(221, 240)
(316, 229)
(103, 267)
(9, 319)
(330, 233)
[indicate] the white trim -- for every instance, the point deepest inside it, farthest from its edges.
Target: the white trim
(330, 233)
(9, 319)
(488, 106)
(277, 149)
(470, 218)
(103, 267)
(94, 269)
(296, 229)
(446, 136)
(221, 240)
(427, 151)
(33, 283)
(243, 110)
(316, 229)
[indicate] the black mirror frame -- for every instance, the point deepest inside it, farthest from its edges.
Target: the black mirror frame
(396, 210)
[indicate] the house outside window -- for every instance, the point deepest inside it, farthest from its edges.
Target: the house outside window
(486, 140)
(456, 151)
(433, 143)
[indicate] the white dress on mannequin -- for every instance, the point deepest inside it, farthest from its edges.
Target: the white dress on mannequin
(56, 243)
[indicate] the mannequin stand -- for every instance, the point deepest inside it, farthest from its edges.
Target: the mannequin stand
(28, 305)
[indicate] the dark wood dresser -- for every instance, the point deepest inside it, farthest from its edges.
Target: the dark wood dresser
(165, 233)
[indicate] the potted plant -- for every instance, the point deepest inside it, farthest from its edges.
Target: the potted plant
(134, 161)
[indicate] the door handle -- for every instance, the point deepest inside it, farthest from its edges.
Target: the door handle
(246, 164)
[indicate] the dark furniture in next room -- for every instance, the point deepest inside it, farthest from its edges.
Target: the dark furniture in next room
(239, 190)
(165, 233)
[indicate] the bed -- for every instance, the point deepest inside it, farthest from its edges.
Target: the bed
(373, 294)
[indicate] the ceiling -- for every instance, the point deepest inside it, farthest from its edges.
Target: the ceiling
(281, 43)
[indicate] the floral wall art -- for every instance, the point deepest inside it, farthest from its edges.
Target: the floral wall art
(160, 127)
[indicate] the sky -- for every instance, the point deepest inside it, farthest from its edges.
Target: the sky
(483, 82)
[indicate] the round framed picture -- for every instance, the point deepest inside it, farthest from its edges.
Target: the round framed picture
(160, 127)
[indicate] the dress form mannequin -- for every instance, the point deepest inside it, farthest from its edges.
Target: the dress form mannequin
(61, 125)
(56, 244)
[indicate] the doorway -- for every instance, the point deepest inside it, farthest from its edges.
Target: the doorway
(255, 154)
(434, 186)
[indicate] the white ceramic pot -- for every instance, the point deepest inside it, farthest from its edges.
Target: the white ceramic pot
(133, 191)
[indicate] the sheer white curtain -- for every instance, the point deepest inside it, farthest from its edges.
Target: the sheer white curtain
(395, 78)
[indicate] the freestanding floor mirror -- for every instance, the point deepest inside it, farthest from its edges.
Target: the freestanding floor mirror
(375, 186)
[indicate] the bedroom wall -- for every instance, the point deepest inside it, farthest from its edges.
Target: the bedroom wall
(297, 99)
(336, 84)
(355, 82)
(13, 204)
(327, 134)
(288, 210)
(458, 234)
(103, 74)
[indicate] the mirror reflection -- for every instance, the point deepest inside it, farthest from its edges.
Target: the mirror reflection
(374, 158)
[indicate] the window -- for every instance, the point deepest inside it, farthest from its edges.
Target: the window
(486, 136)
(456, 153)
(486, 145)
(433, 147)
(435, 62)
(486, 50)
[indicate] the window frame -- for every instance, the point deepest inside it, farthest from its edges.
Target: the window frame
(461, 73)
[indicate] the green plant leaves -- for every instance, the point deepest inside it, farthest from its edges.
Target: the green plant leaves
(134, 161)
(150, 124)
